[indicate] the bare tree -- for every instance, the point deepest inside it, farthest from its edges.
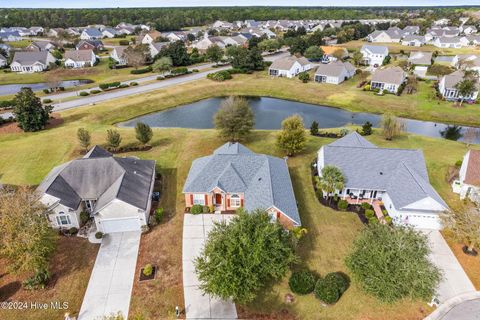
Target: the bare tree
(465, 227)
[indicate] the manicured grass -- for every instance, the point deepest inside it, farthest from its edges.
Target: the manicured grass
(70, 270)
(27, 157)
(116, 41)
(20, 44)
(396, 47)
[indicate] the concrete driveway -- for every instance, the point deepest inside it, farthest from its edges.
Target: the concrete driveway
(455, 280)
(110, 286)
(197, 304)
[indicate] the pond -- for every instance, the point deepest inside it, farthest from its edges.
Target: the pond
(269, 113)
(6, 89)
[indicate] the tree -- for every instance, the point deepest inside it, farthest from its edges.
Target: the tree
(137, 56)
(297, 45)
(378, 254)
(234, 119)
(177, 52)
(314, 128)
(367, 128)
(83, 138)
(292, 138)
(391, 126)
(314, 53)
(304, 76)
(466, 88)
(471, 135)
(27, 240)
(113, 139)
(263, 249)
(29, 112)
(164, 64)
(465, 227)
(331, 180)
(339, 54)
(143, 133)
(214, 53)
(452, 132)
(269, 45)
(357, 58)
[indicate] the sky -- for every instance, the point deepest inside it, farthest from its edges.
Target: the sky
(197, 3)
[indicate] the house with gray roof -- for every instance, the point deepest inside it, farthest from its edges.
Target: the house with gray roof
(447, 86)
(289, 66)
(41, 46)
(448, 42)
(116, 192)
(79, 58)
(414, 41)
(91, 34)
(420, 58)
(388, 79)
(234, 177)
(334, 72)
(31, 61)
(396, 178)
(373, 55)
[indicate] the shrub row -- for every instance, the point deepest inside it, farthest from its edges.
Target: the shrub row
(105, 86)
(219, 76)
(141, 71)
(83, 93)
(198, 208)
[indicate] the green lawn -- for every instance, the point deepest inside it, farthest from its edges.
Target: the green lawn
(20, 44)
(26, 158)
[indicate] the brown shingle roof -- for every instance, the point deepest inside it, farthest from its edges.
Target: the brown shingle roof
(472, 176)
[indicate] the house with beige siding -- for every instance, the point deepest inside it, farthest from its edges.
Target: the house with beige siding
(388, 79)
(234, 177)
(289, 66)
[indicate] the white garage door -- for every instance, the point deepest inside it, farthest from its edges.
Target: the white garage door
(424, 221)
(120, 225)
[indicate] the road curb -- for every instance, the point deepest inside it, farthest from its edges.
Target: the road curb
(445, 307)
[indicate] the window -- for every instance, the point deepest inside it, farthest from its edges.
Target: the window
(235, 200)
(63, 219)
(199, 199)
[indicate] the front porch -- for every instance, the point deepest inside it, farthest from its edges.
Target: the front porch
(376, 205)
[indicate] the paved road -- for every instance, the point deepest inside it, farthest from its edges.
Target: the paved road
(455, 281)
(110, 287)
(462, 307)
(197, 304)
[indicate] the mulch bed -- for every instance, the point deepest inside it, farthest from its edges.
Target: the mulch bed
(12, 127)
(472, 253)
(150, 277)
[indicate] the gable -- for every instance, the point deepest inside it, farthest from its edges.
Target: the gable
(427, 204)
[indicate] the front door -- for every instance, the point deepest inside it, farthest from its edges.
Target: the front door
(218, 198)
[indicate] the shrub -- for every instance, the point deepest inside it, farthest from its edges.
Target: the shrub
(367, 128)
(342, 205)
(95, 91)
(367, 87)
(99, 235)
(123, 42)
(206, 209)
(304, 76)
(302, 282)
(388, 219)
(369, 213)
(84, 216)
(46, 90)
(335, 197)
(196, 209)
(47, 100)
(326, 291)
(160, 78)
(132, 84)
(220, 75)
(366, 206)
(72, 230)
(344, 132)
(148, 270)
(159, 215)
(319, 194)
(141, 71)
(179, 70)
(38, 281)
(83, 93)
(7, 104)
(340, 281)
(123, 85)
(194, 70)
(458, 164)
(372, 220)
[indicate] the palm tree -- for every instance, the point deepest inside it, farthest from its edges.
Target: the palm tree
(331, 180)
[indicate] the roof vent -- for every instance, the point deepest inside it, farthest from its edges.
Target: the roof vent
(260, 179)
(381, 173)
(134, 172)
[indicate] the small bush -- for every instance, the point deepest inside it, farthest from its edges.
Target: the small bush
(206, 209)
(304, 76)
(369, 213)
(123, 85)
(84, 216)
(196, 209)
(160, 78)
(159, 215)
(47, 100)
(124, 42)
(83, 93)
(141, 71)
(326, 291)
(302, 282)
(38, 281)
(195, 70)
(372, 220)
(46, 90)
(95, 91)
(342, 205)
(99, 235)
(388, 219)
(148, 270)
(133, 84)
(458, 164)
(72, 230)
(366, 206)
(335, 197)
(340, 281)
(219, 76)
(319, 194)
(179, 70)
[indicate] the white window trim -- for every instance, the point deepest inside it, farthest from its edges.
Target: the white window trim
(59, 217)
(199, 198)
(235, 201)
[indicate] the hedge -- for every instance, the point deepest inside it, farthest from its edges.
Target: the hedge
(219, 76)
(47, 100)
(83, 93)
(302, 282)
(342, 205)
(108, 85)
(179, 70)
(196, 209)
(95, 91)
(141, 71)
(326, 291)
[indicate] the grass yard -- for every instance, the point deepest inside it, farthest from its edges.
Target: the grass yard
(116, 41)
(20, 44)
(70, 270)
(25, 158)
(396, 47)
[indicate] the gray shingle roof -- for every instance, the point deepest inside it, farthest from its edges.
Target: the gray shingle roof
(286, 63)
(264, 180)
(400, 172)
(394, 75)
(420, 57)
(99, 175)
(30, 57)
(93, 32)
(79, 55)
(334, 69)
(375, 49)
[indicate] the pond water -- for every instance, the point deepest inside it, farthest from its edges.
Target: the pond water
(269, 113)
(6, 89)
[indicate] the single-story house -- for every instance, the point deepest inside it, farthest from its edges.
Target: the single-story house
(41, 46)
(94, 45)
(173, 36)
(395, 178)
(109, 33)
(235, 177)
(335, 72)
(373, 55)
(55, 32)
(414, 41)
(388, 79)
(10, 36)
(447, 87)
(116, 192)
(468, 62)
(155, 47)
(468, 182)
(411, 30)
(448, 42)
(151, 36)
(79, 58)
(469, 29)
(3, 61)
(31, 61)
(384, 36)
(330, 53)
(118, 56)
(420, 58)
(289, 66)
(91, 34)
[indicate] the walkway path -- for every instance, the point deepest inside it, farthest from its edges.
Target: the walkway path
(110, 286)
(197, 304)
